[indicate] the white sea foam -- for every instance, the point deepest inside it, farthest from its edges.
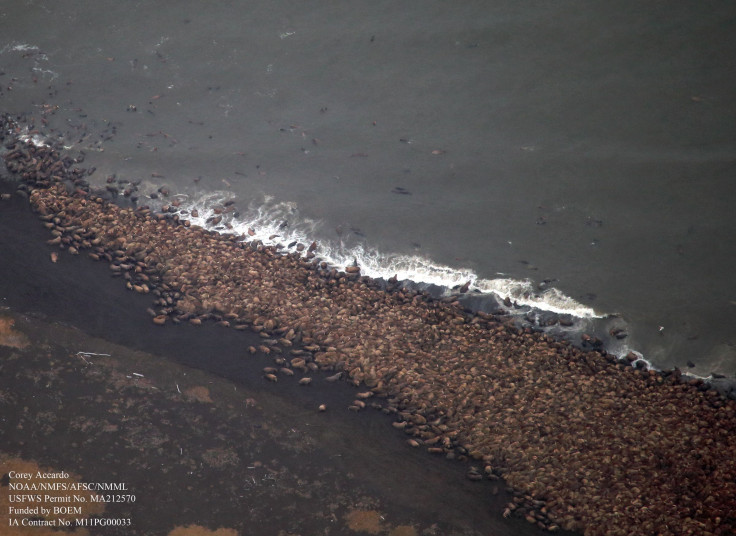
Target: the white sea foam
(33, 139)
(19, 47)
(624, 350)
(279, 223)
(46, 73)
(34, 52)
(524, 293)
(24, 48)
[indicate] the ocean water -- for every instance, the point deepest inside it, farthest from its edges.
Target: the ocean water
(576, 157)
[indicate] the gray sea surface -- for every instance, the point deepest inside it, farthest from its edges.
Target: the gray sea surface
(587, 147)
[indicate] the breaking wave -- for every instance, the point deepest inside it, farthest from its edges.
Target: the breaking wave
(278, 223)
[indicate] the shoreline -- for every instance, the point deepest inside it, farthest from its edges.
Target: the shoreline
(558, 384)
(74, 305)
(82, 307)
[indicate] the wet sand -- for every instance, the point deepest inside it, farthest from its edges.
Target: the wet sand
(589, 443)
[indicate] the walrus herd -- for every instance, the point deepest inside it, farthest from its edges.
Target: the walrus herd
(588, 442)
